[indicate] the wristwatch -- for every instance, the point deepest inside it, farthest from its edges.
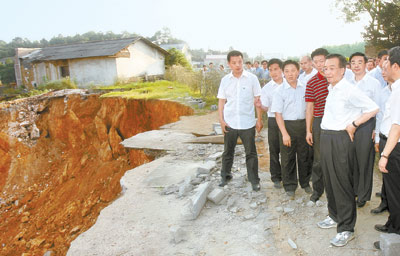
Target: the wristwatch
(382, 155)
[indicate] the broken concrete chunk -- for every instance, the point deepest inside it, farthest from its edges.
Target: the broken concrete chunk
(310, 204)
(196, 202)
(320, 203)
(216, 195)
(206, 167)
(253, 205)
(178, 234)
(170, 189)
(279, 209)
(292, 244)
(390, 244)
(288, 210)
(215, 156)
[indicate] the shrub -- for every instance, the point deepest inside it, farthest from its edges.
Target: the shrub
(65, 83)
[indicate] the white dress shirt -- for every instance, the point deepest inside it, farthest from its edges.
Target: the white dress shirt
(304, 78)
(344, 104)
(267, 94)
(377, 74)
(385, 94)
(239, 94)
(392, 110)
(349, 75)
(289, 101)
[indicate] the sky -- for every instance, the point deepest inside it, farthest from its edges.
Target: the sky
(287, 27)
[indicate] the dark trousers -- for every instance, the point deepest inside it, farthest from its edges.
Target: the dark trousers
(274, 150)
(364, 164)
(299, 150)
(337, 153)
(391, 181)
(317, 176)
(248, 139)
(382, 143)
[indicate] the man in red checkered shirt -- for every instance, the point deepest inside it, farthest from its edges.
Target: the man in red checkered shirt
(316, 93)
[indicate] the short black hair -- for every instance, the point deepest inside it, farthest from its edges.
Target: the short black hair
(275, 61)
(248, 62)
(319, 51)
(210, 63)
(394, 55)
(341, 58)
(359, 54)
(263, 61)
(234, 53)
(382, 53)
(288, 62)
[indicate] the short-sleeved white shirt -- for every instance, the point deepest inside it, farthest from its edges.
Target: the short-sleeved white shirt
(239, 94)
(377, 74)
(304, 78)
(289, 101)
(384, 97)
(344, 104)
(267, 94)
(392, 110)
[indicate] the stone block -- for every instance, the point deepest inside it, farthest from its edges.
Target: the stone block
(390, 244)
(196, 202)
(216, 195)
(215, 156)
(206, 167)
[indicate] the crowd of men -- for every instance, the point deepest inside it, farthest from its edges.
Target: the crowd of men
(326, 120)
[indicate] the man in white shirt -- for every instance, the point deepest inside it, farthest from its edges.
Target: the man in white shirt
(267, 94)
(377, 71)
(236, 96)
(363, 138)
(385, 94)
(389, 163)
(290, 112)
(346, 109)
(309, 70)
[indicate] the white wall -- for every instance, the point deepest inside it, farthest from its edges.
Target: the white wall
(96, 71)
(143, 60)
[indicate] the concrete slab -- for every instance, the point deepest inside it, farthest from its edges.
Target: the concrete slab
(172, 172)
(158, 140)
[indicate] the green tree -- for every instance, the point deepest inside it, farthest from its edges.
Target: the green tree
(382, 28)
(176, 57)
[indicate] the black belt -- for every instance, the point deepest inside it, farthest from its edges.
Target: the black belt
(383, 137)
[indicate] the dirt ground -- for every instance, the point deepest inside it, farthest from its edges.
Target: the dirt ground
(301, 225)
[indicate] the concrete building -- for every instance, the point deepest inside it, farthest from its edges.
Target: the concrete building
(93, 63)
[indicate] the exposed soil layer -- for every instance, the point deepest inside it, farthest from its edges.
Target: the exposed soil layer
(61, 163)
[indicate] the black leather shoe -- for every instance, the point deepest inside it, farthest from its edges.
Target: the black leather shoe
(381, 228)
(256, 187)
(225, 181)
(361, 204)
(377, 245)
(378, 209)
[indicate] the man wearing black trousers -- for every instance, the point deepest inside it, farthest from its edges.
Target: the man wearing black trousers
(346, 109)
(237, 95)
(363, 138)
(389, 163)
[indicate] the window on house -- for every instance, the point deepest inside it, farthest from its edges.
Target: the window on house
(64, 70)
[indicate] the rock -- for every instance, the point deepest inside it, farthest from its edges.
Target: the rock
(49, 253)
(178, 234)
(300, 200)
(24, 219)
(37, 242)
(35, 133)
(196, 202)
(196, 181)
(262, 201)
(249, 216)
(206, 167)
(319, 203)
(184, 189)
(75, 230)
(216, 195)
(253, 205)
(231, 201)
(190, 148)
(310, 204)
(292, 244)
(279, 209)
(288, 210)
(234, 209)
(390, 244)
(215, 156)
(201, 105)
